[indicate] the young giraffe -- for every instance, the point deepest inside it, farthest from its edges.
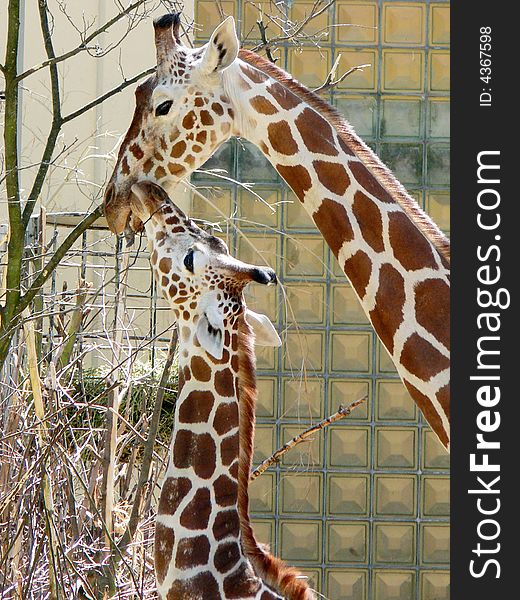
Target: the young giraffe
(204, 545)
(395, 257)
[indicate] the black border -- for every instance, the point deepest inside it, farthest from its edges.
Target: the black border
(475, 129)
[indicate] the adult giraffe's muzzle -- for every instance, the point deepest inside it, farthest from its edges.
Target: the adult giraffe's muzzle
(117, 208)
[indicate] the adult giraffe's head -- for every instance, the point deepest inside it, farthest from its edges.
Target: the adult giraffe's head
(196, 273)
(182, 115)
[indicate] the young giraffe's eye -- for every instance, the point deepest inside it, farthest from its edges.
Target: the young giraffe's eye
(188, 261)
(163, 108)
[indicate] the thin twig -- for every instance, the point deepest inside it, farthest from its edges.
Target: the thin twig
(331, 81)
(107, 95)
(301, 437)
(84, 44)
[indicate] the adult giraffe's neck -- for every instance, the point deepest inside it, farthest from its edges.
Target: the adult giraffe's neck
(395, 257)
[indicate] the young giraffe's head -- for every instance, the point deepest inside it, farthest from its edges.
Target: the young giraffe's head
(182, 115)
(196, 273)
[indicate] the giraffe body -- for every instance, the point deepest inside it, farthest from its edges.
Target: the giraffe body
(395, 257)
(202, 528)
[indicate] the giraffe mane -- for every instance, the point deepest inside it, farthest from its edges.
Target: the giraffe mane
(374, 164)
(271, 569)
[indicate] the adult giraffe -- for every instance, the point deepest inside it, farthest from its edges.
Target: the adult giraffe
(204, 545)
(394, 255)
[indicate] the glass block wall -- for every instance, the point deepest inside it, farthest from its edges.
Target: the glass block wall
(363, 508)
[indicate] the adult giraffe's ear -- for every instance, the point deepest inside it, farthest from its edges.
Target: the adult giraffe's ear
(265, 333)
(210, 326)
(222, 48)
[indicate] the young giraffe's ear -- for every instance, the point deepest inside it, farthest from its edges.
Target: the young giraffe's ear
(210, 327)
(222, 48)
(265, 333)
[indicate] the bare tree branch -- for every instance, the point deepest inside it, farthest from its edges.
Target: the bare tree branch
(84, 43)
(331, 81)
(106, 95)
(144, 475)
(305, 435)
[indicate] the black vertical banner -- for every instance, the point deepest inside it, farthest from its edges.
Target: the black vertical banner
(485, 230)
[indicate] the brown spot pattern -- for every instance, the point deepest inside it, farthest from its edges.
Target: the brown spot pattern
(226, 491)
(281, 138)
(432, 308)
(147, 166)
(297, 177)
(242, 583)
(176, 170)
(189, 120)
(224, 381)
(192, 552)
(206, 118)
(421, 358)
(195, 450)
(226, 523)
(178, 150)
(135, 149)
(443, 396)
(217, 109)
(229, 449)
(332, 220)
(387, 314)
(368, 181)
(344, 147)
(370, 222)
(226, 556)
(233, 470)
(428, 410)
(165, 265)
(263, 106)
(410, 246)
(173, 491)
(196, 407)
(164, 542)
(332, 175)
(200, 369)
(285, 98)
(316, 132)
(226, 418)
(358, 269)
(197, 512)
(202, 586)
(201, 137)
(159, 173)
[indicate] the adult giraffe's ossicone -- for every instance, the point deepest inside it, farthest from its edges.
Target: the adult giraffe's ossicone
(394, 255)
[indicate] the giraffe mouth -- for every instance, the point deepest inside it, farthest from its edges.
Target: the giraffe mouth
(133, 225)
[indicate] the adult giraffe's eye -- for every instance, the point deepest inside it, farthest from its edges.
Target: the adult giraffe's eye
(188, 261)
(163, 108)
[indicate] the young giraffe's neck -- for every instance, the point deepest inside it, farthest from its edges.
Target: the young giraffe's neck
(395, 257)
(198, 546)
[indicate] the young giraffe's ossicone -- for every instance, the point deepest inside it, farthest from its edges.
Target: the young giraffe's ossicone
(394, 255)
(205, 548)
